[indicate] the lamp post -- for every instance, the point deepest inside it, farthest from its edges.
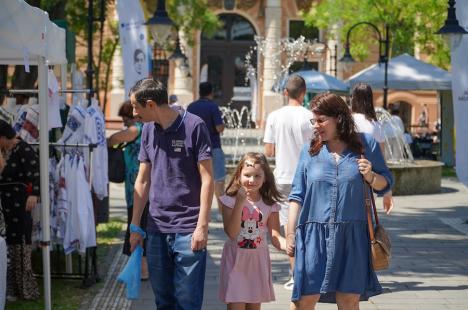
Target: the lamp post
(161, 26)
(451, 26)
(383, 57)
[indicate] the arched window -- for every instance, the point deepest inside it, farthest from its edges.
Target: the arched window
(235, 28)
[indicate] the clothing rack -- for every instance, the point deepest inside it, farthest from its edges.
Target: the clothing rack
(35, 91)
(90, 275)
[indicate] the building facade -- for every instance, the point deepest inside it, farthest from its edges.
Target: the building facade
(220, 59)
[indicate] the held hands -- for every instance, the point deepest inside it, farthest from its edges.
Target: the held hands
(290, 244)
(388, 202)
(2, 161)
(365, 168)
(31, 203)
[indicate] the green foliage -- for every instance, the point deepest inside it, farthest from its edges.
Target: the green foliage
(191, 16)
(411, 22)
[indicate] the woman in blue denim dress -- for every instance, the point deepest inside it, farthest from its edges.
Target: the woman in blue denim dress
(328, 232)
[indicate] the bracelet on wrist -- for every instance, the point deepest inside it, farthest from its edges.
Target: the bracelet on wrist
(374, 177)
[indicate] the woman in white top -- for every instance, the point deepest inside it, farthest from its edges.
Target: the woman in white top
(362, 107)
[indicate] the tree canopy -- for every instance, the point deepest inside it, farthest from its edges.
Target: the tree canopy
(413, 24)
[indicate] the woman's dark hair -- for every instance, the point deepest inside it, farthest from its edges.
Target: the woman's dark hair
(6, 130)
(268, 191)
(331, 105)
(126, 110)
(362, 101)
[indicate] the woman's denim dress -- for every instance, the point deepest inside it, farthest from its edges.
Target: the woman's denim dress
(332, 239)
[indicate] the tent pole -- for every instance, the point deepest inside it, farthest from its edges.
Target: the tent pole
(44, 177)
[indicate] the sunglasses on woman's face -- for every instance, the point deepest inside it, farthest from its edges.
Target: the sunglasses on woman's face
(319, 120)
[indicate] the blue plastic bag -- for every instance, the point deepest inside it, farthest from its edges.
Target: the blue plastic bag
(131, 274)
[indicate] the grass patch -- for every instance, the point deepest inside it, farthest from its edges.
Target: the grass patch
(448, 171)
(69, 294)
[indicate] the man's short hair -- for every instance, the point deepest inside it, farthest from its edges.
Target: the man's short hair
(149, 89)
(295, 86)
(205, 89)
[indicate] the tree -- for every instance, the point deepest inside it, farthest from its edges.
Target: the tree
(189, 16)
(412, 23)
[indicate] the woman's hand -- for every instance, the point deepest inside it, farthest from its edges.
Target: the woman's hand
(31, 203)
(290, 244)
(365, 168)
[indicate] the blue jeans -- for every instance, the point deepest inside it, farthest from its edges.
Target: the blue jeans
(177, 273)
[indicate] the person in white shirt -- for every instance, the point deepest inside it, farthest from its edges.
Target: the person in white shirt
(365, 118)
(287, 130)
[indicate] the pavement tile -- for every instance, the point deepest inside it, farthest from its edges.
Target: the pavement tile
(429, 267)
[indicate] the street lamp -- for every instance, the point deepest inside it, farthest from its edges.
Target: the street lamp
(160, 24)
(451, 26)
(383, 57)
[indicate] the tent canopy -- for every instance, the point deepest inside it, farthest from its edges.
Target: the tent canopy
(317, 82)
(27, 31)
(405, 73)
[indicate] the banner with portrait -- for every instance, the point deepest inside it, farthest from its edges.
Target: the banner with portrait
(136, 56)
(459, 51)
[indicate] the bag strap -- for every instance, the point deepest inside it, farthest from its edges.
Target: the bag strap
(369, 203)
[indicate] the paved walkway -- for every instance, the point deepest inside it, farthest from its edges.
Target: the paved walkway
(429, 267)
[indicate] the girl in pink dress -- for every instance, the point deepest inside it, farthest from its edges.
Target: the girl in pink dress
(250, 211)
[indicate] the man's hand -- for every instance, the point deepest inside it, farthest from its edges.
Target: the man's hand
(199, 239)
(31, 203)
(135, 239)
(290, 244)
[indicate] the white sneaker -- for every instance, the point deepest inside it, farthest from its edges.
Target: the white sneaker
(289, 285)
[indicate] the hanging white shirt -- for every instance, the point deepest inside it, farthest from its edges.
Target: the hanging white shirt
(369, 126)
(95, 133)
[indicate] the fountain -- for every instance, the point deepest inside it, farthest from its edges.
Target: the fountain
(239, 137)
(412, 177)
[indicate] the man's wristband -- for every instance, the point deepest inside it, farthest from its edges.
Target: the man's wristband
(136, 229)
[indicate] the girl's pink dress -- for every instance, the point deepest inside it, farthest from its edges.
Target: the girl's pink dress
(245, 274)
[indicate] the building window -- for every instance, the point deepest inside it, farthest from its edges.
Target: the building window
(297, 28)
(235, 28)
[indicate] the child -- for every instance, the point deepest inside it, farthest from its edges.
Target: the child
(250, 210)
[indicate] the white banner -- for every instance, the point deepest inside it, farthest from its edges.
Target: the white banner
(134, 42)
(460, 94)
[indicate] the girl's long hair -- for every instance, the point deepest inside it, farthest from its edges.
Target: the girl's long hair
(268, 191)
(362, 101)
(331, 105)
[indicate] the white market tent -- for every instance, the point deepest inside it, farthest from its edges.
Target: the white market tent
(408, 73)
(404, 73)
(27, 36)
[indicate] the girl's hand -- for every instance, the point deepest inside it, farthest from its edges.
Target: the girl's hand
(388, 202)
(31, 203)
(365, 168)
(241, 196)
(290, 244)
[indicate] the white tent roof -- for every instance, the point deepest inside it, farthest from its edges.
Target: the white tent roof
(27, 30)
(405, 73)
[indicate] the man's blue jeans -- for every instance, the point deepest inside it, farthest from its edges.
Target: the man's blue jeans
(177, 273)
